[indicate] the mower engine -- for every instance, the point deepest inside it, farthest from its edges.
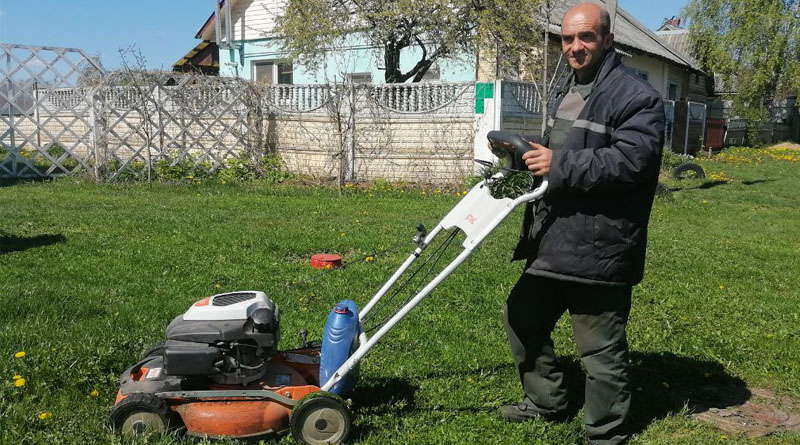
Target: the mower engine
(228, 338)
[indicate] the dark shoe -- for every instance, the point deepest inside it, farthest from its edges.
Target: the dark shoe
(519, 412)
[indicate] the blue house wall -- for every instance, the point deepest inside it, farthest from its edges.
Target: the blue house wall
(238, 62)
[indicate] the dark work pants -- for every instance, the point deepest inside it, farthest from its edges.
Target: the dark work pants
(599, 315)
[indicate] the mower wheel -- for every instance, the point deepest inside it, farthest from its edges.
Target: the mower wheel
(320, 420)
(139, 414)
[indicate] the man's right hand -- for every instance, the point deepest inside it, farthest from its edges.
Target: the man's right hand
(538, 160)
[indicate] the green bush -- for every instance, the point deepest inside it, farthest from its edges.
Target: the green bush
(670, 160)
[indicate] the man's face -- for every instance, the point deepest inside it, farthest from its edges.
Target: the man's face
(582, 42)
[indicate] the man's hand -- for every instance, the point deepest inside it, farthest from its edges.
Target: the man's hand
(538, 159)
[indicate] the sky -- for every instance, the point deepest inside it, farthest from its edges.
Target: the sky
(162, 30)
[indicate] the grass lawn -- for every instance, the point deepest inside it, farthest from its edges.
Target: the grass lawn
(92, 273)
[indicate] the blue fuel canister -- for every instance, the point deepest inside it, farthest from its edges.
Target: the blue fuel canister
(338, 342)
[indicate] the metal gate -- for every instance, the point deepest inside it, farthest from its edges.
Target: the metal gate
(43, 131)
(685, 129)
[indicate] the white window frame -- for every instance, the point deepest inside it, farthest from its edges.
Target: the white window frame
(275, 73)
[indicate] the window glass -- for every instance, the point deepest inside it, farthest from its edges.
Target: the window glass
(264, 72)
(285, 73)
(672, 92)
(359, 77)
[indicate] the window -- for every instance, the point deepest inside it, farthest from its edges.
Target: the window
(359, 77)
(672, 91)
(268, 71)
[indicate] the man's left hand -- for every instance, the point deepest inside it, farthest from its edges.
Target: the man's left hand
(538, 159)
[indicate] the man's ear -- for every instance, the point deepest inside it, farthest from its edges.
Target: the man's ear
(608, 40)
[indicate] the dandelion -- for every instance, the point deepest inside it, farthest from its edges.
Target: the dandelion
(369, 259)
(721, 286)
(343, 234)
(17, 377)
(217, 285)
(19, 383)
(94, 393)
(222, 182)
(469, 379)
(45, 415)
(19, 354)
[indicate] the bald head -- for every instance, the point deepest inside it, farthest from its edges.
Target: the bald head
(594, 12)
(586, 37)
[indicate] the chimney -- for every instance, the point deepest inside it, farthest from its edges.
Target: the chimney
(675, 21)
(611, 7)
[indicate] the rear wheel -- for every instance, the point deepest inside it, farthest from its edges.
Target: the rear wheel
(321, 419)
(140, 414)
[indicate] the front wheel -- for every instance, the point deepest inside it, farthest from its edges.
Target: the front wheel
(320, 419)
(140, 414)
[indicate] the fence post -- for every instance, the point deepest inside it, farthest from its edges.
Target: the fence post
(350, 137)
(9, 106)
(98, 132)
(498, 104)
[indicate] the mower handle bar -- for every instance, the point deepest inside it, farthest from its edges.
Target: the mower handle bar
(477, 215)
(497, 141)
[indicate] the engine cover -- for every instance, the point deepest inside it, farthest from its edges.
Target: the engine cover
(227, 337)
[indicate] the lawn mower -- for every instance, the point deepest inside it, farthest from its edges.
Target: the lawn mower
(220, 373)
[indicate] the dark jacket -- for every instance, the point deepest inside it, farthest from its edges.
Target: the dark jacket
(591, 225)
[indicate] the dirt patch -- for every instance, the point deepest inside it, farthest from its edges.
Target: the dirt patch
(787, 145)
(750, 411)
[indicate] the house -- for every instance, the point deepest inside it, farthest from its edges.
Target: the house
(696, 87)
(253, 52)
(250, 49)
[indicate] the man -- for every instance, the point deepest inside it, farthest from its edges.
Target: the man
(585, 241)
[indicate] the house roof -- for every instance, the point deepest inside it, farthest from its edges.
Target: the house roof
(678, 39)
(204, 58)
(630, 34)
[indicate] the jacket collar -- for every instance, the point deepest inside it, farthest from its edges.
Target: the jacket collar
(611, 60)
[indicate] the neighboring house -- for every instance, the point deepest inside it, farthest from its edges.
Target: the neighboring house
(254, 53)
(695, 87)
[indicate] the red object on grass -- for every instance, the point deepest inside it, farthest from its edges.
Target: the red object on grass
(326, 261)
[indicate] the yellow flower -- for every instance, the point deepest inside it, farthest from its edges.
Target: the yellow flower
(17, 376)
(94, 393)
(45, 415)
(19, 383)
(19, 354)
(222, 182)
(218, 285)
(343, 234)
(368, 259)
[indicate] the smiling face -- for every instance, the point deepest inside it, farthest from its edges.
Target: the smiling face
(583, 39)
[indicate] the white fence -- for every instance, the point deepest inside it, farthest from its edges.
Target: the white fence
(72, 118)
